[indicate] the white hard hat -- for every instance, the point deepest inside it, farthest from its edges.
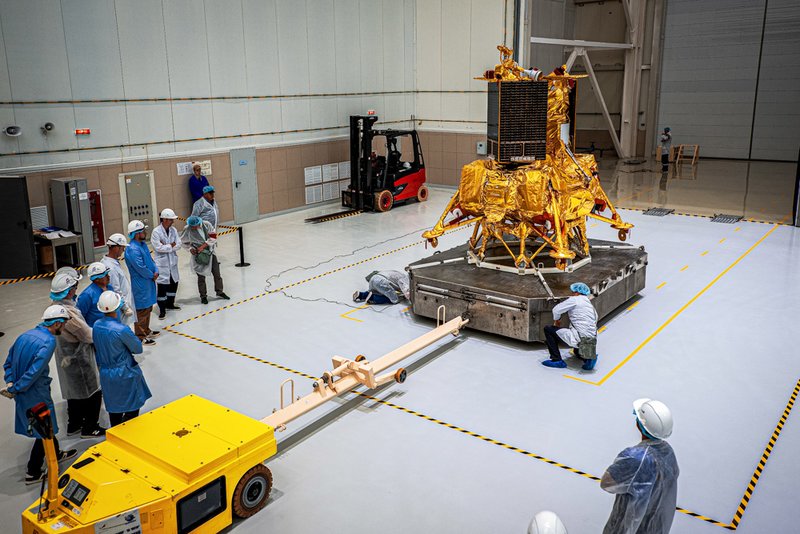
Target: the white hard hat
(546, 522)
(70, 271)
(135, 226)
(108, 302)
(62, 282)
(117, 240)
(654, 416)
(56, 311)
(96, 270)
(167, 213)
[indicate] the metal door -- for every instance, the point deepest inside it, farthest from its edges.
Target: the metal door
(16, 233)
(245, 185)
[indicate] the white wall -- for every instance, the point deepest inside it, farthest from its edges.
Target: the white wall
(130, 49)
(457, 41)
(725, 60)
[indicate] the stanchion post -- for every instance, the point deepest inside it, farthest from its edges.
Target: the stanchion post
(241, 263)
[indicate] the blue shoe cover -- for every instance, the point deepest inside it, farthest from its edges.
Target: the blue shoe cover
(560, 364)
(588, 365)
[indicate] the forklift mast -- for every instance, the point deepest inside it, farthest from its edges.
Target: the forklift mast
(360, 151)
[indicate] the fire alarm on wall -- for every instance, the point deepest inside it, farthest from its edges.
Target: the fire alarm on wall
(82, 131)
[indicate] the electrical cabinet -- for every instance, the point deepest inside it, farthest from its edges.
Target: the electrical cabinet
(70, 201)
(138, 197)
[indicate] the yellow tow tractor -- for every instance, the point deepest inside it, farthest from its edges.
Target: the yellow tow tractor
(190, 465)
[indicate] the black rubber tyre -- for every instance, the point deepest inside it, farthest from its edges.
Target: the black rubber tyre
(252, 491)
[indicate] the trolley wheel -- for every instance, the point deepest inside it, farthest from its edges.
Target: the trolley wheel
(422, 193)
(384, 200)
(434, 241)
(252, 491)
(622, 235)
(400, 375)
(360, 358)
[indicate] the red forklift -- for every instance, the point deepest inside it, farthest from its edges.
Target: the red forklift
(379, 182)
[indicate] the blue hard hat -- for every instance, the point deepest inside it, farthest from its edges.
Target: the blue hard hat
(51, 322)
(667, 129)
(194, 220)
(208, 189)
(580, 287)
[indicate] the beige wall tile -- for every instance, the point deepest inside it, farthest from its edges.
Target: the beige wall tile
(322, 153)
(220, 167)
(264, 182)
(309, 156)
(109, 179)
(113, 226)
(182, 201)
(341, 151)
(37, 194)
(225, 210)
(135, 166)
(466, 144)
(281, 200)
(162, 177)
(223, 188)
(433, 175)
(164, 198)
(295, 178)
(433, 159)
(263, 156)
(297, 197)
(449, 160)
(279, 181)
(433, 142)
(278, 159)
(449, 142)
(294, 157)
(92, 177)
(265, 203)
(112, 209)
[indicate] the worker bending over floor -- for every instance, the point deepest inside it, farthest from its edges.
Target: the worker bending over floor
(121, 377)
(644, 477)
(582, 331)
(27, 376)
(385, 287)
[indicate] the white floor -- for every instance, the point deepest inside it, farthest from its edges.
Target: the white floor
(715, 342)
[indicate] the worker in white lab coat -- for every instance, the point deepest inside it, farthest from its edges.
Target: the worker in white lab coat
(117, 279)
(582, 331)
(166, 243)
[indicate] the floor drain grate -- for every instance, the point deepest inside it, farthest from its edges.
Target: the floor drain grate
(658, 212)
(726, 219)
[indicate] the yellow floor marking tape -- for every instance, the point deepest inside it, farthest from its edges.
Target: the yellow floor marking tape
(674, 315)
(346, 315)
(439, 422)
(662, 284)
(721, 241)
(632, 306)
(684, 268)
(738, 228)
(601, 329)
(704, 253)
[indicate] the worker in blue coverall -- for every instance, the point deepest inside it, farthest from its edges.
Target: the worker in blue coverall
(197, 182)
(143, 273)
(87, 300)
(27, 376)
(121, 379)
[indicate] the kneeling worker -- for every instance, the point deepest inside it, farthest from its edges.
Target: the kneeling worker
(121, 378)
(582, 331)
(385, 287)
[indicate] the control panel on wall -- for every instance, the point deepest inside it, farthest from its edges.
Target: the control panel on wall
(138, 198)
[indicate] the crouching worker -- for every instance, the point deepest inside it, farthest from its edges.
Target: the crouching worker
(582, 331)
(385, 287)
(121, 378)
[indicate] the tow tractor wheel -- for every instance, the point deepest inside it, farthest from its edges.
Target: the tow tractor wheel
(422, 193)
(252, 491)
(400, 375)
(384, 200)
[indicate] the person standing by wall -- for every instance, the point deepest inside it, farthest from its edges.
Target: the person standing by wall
(166, 243)
(76, 365)
(27, 376)
(666, 145)
(143, 273)
(120, 375)
(197, 182)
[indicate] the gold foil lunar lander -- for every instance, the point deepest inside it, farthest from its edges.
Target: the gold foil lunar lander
(533, 187)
